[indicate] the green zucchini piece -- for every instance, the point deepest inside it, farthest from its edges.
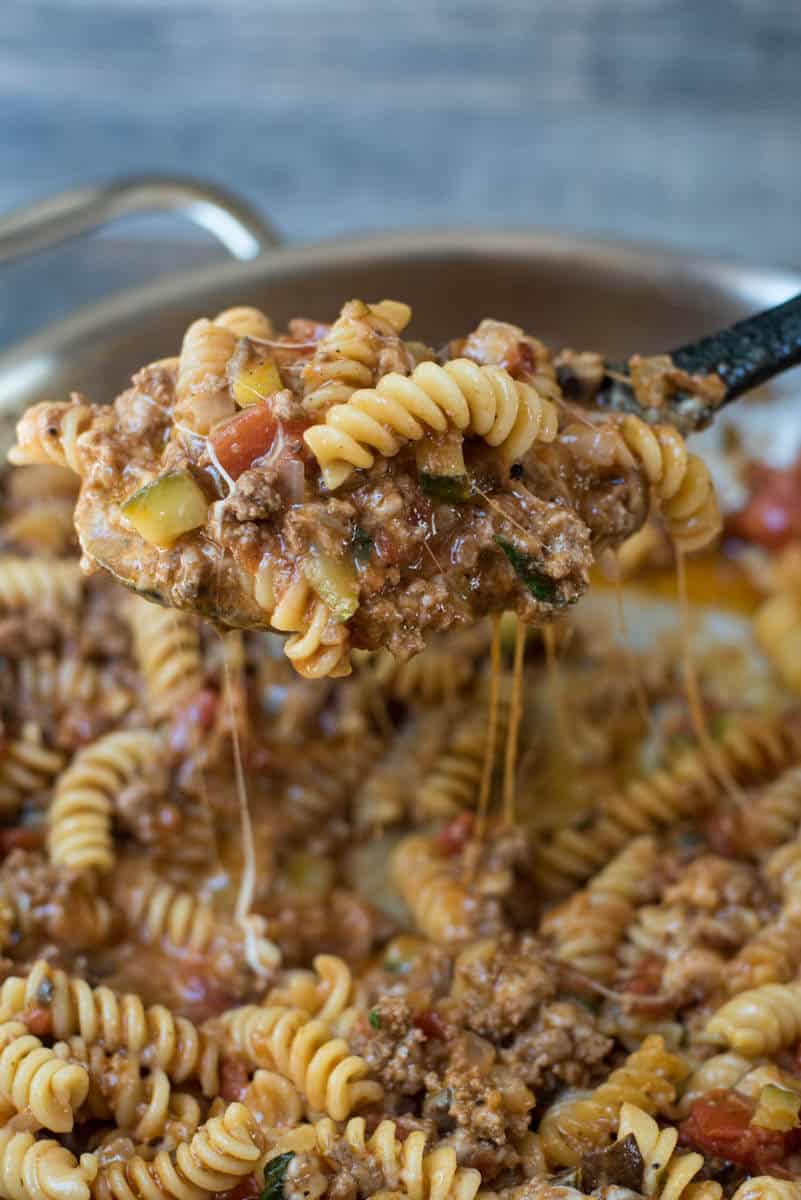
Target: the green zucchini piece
(451, 489)
(335, 581)
(541, 586)
(163, 510)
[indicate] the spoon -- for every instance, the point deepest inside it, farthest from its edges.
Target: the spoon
(742, 356)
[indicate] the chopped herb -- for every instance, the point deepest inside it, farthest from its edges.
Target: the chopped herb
(451, 489)
(362, 544)
(541, 586)
(574, 998)
(274, 1175)
(394, 965)
(374, 1017)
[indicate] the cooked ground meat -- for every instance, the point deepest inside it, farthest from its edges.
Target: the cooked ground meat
(498, 983)
(564, 1045)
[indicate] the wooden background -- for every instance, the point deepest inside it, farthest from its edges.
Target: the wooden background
(677, 121)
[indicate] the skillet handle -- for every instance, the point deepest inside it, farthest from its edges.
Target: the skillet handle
(232, 221)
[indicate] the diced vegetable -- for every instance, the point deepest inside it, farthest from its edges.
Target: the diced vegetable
(620, 1164)
(541, 586)
(170, 506)
(441, 469)
(244, 438)
(778, 1108)
(335, 581)
(274, 1175)
(362, 544)
(256, 383)
(451, 489)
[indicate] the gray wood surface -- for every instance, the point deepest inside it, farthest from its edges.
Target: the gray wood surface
(676, 121)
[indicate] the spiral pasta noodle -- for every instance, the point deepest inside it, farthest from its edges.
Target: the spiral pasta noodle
(587, 929)
(346, 357)
(119, 1022)
(34, 1078)
(752, 749)
(245, 322)
(32, 1169)
(49, 433)
(274, 1100)
(759, 1021)
(648, 1078)
(772, 955)
(202, 395)
(406, 1166)
(772, 818)
(485, 401)
(167, 647)
(303, 1048)
(79, 819)
(319, 646)
(223, 1151)
(39, 583)
(26, 766)
(680, 480)
(324, 992)
(162, 913)
(665, 1173)
(443, 908)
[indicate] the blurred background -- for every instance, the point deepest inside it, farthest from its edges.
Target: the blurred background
(672, 121)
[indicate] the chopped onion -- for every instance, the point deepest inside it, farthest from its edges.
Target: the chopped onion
(291, 480)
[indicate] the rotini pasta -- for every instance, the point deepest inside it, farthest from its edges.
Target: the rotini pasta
(80, 814)
(120, 1022)
(587, 929)
(32, 1169)
(167, 647)
(319, 645)
(347, 356)
(680, 480)
(302, 1048)
(752, 749)
(648, 1078)
(34, 1078)
(48, 434)
(38, 583)
(485, 401)
(665, 1173)
(224, 1150)
(246, 322)
(759, 1021)
(26, 766)
(406, 1166)
(202, 395)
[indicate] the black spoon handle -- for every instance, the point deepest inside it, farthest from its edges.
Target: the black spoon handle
(744, 355)
(750, 352)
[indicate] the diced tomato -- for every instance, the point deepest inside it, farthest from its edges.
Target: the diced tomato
(199, 714)
(456, 834)
(20, 838)
(647, 978)
(239, 441)
(431, 1024)
(720, 1124)
(39, 1021)
(244, 438)
(772, 515)
(233, 1078)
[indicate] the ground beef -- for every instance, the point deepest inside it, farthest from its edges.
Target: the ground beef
(23, 635)
(324, 525)
(255, 497)
(564, 1046)
(483, 1096)
(392, 1046)
(498, 983)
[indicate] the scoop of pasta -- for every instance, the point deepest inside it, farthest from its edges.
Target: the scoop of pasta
(349, 489)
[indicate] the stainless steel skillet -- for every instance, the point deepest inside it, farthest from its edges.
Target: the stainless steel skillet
(610, 297)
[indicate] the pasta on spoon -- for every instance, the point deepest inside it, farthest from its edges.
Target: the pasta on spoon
(354, 489)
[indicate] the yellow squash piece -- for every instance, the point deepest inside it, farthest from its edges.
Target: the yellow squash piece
(166, 508)
(256, 383)
(778, 1108)
(335, 581)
